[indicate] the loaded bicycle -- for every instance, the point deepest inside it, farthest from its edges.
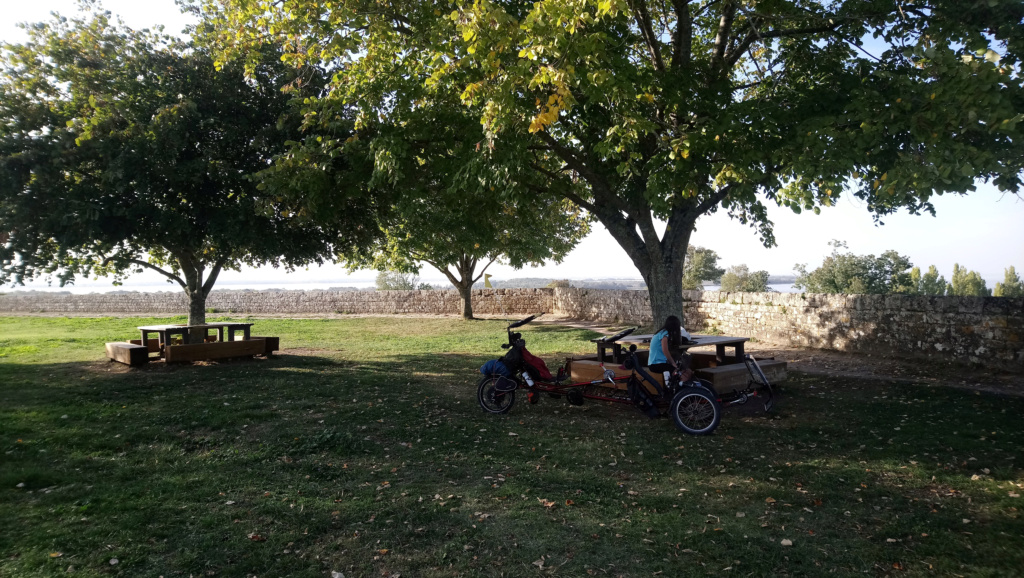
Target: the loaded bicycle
(692, 403)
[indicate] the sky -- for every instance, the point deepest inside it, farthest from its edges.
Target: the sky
(983, 231)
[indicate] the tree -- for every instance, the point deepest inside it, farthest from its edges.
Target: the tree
(671, 110)
(396, 281)
(930, 284)
(740, 278)
(1012, 286)
(451, 207)
(124, 150)
(967, 283)
(857, 274)
(701, 265)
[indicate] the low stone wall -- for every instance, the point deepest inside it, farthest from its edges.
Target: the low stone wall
(485, 302)
(984, 330)
(978, 329)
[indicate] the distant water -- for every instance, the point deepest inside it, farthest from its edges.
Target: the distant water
(780, 287)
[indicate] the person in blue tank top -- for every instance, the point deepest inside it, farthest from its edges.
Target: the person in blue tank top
(664, 355)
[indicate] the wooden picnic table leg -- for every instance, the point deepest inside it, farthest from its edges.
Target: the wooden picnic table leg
(617, 352)
(720, 354)
(739, 351)
(245, 332)
(220, 333)
(600, 351)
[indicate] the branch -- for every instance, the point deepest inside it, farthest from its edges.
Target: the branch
(643, 21)
(754, 34)
(211, 279)
(482, 271)
(713, 200)
(597, 182)
(724, 28)
(682, 39)
(170, 276)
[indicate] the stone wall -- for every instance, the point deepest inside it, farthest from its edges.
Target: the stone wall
(989, 329)
(978, 329)
(485, 302)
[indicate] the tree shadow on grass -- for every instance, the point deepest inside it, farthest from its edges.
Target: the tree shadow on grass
(341, 459)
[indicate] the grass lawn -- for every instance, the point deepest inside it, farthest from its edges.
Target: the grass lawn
(361, 449)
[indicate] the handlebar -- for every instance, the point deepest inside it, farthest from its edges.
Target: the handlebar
(522, 322)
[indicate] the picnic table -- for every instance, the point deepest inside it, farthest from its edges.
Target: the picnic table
(165, 333)
(720, 342)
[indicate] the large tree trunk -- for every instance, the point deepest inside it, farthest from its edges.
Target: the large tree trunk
(196, 306)
(465, 267)
(660, 261)
(665, 287)
(197, 288)
(466, 292)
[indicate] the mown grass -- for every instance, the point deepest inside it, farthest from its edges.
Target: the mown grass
(360, 449)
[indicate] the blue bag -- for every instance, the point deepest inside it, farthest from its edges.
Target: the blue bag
(495, 367)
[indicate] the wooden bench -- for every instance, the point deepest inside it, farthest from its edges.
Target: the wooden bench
(589, 370)
(128, 353)
(273, 344)
(215, 350)
(736, 376)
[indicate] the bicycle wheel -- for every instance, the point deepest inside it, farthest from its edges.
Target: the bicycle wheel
(695, 411)
(491, 400)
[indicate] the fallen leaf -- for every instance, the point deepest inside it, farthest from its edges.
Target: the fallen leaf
(786, 542)
(229, 503)
(114, 561)
(569, 502)
(56, 554)
(546, 503)
(257, 538)
(770, 500)
(539, 563)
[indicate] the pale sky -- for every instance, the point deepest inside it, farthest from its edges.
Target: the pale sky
(983, 231)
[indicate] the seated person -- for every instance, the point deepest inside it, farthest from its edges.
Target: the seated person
(664, 356)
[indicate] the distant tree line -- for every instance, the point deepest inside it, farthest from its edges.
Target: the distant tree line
(891, 272)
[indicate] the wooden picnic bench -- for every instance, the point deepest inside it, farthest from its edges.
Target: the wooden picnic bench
(720, 342)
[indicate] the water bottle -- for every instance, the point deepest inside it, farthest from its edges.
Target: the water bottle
(528, 379)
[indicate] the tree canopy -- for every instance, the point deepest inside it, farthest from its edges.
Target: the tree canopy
(123, 150)
(967, 283)
(857, 274)
(741, 278)
(673, 109)
(701, 265)
(1012, 286)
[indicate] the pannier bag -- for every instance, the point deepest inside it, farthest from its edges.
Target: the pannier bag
(538, 365)
(505, 385)
(495, 367)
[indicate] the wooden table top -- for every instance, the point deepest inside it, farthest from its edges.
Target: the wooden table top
(697, 340)
(214, 325)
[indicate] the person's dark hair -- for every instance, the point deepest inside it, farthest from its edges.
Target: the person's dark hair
(674, 328)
